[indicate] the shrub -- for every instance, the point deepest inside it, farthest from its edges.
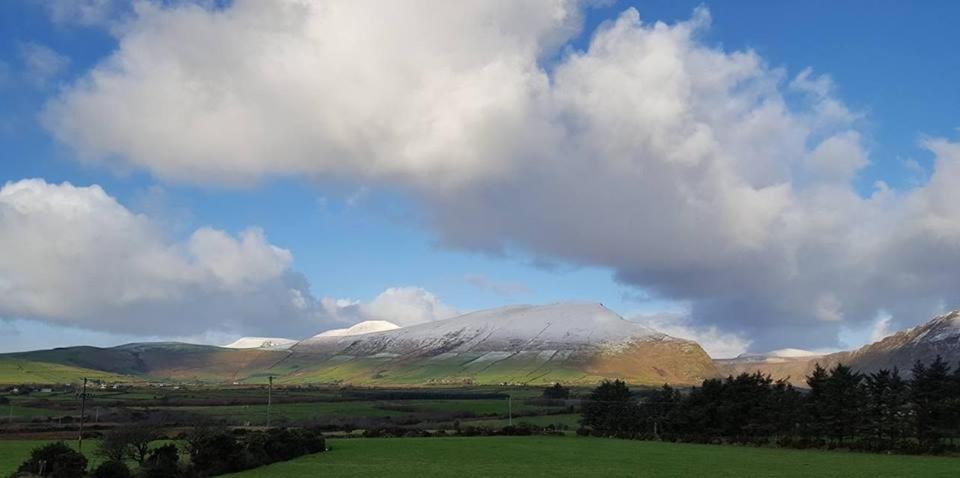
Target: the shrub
(112, 469)
(217, 451)
(214, 451)
(557, 391)
(162, 462)
(55, 460)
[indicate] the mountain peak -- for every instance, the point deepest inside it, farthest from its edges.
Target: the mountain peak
(942, 327)
(365, 327)
(516, 327)
(270, 343)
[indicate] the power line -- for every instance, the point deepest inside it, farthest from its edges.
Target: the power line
(83, 407)
(269, 398)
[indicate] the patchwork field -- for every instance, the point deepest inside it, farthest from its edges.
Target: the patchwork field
(257, 414)
(332, 408)
(568, 420)
(570, 456)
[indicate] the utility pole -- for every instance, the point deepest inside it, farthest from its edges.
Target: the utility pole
(83, 408)
(510, 410)
(269, 399)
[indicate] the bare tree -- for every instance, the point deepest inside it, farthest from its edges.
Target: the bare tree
(131, 441)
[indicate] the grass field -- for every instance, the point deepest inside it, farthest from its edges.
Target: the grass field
(29, 412)
(563, 456)
(16, 371)
(394, 408)
(570, 420)
(569, 456)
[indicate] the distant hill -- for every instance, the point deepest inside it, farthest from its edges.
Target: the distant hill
(939, 336)
(792, 367)
(144, 361)
(570, 343)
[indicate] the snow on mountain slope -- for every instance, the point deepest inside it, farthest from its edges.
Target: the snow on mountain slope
(522, 327)
(365, 327)
(939, 336)
(269, 343)
(564, 342)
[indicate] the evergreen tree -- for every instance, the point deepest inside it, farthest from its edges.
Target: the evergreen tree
(661, 410)
(886, 410)
(611, 411)
(787, 408)
(930, 394)
(845, 399)
(815, 408)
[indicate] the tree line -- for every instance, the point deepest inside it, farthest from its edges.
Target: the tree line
(842, 408)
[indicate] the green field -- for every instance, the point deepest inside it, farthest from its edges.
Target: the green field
(569, 456)
(569, 420)
(17, 371)
(30, 412)
(564, 456)
(300, 411)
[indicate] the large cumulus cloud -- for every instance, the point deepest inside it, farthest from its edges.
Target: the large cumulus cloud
(75, 256)
(700, 174)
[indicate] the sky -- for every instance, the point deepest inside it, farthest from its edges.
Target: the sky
(750, 175)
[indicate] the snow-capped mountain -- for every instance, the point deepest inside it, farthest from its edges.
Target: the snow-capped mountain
(520, 327)
(361, 328)
(566, 341)
(269, 343)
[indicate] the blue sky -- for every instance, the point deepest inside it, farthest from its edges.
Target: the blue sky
(891, 62)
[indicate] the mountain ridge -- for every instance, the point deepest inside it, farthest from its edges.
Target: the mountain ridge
(573, 343)
(938, 336)
(576, 343)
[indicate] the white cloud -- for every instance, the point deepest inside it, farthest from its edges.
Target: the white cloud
(882, 328)
(86, 13)
(401, 305)
(702, 175)
(348, 88)
(716, 343)
(838, 157)
(75, 256)
(42, 65)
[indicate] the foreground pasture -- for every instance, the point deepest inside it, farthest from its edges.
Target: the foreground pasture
(563, 456)
(570, 456)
